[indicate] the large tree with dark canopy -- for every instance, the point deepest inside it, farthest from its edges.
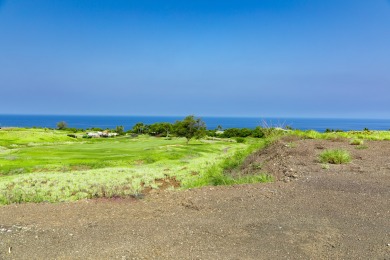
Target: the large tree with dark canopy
(190, 127)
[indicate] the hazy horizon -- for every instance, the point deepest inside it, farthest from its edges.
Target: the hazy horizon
(196, 115)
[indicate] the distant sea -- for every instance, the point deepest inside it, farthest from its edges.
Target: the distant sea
(319, 124)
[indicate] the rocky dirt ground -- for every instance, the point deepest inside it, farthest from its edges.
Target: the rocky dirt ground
(312, 211)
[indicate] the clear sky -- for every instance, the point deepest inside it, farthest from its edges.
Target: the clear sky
(283, 58)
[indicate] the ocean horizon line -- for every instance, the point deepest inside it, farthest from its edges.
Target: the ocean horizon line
(212, 122)
(206, 116)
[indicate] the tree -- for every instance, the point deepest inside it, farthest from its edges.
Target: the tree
(62, 125)
(139, 128)
(231, 132)
(120, 130)
(167, 128)
(159, 129)
(190, 127)
(258, 132)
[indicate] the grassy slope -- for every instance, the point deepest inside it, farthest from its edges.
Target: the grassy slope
(76, 169)
(363, 135)
(101, 153)
(38, 165)
(16, 137)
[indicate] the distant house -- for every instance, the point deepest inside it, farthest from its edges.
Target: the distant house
(93, 135)
(101, 134)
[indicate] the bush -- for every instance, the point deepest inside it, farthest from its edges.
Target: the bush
(72, 135)
(240, 140)
(258, 132)
(361, 147)
(62, 125)
(356, 142)
(74, 130)
(243, 132)
(336, 156)
(231, 132)
(120, 130)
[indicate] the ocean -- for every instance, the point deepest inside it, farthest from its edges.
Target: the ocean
(84, 121)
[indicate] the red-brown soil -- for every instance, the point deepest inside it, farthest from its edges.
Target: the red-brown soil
(310, 212)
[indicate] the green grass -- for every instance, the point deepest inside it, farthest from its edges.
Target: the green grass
(291, 145)
(357, 135)
(46, 165)
(56, 169)
(336, 156)
(21, 137)
(102, 153)
(219, 173)
(325, 166)
(356, 142)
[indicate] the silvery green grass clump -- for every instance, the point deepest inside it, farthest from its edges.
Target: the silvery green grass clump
(356, 142)
(335, 156)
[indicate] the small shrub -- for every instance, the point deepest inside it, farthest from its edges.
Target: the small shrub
(356, 142)
(336, 156)
(240, 140)
(361, 147)
(291, 145)
(325, 166)
(62, 125)
(72, 135)
(257, 166)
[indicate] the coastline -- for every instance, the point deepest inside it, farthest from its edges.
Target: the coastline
(88, 121)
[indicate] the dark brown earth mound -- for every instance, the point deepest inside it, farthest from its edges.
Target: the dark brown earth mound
(312, 211)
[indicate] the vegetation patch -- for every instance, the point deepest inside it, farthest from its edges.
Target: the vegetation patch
(362, 135)
(222, 173)
(356, 142)
(336, 156)
(57, 165)
(101, 167)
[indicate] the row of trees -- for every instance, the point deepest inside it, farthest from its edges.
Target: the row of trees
(190, 127)
(258, 132)
(195, 127)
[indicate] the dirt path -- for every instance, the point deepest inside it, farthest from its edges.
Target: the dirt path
(311, 213)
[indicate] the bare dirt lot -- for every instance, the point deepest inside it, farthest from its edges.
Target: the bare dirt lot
(312, 211)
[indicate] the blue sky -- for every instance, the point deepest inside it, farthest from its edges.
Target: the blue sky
(297, 58)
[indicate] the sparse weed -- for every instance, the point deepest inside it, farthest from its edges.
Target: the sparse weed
(336, 156)
(361, 147)
(366, 135)
(257, 166)
(356, 142)
(291, 145)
